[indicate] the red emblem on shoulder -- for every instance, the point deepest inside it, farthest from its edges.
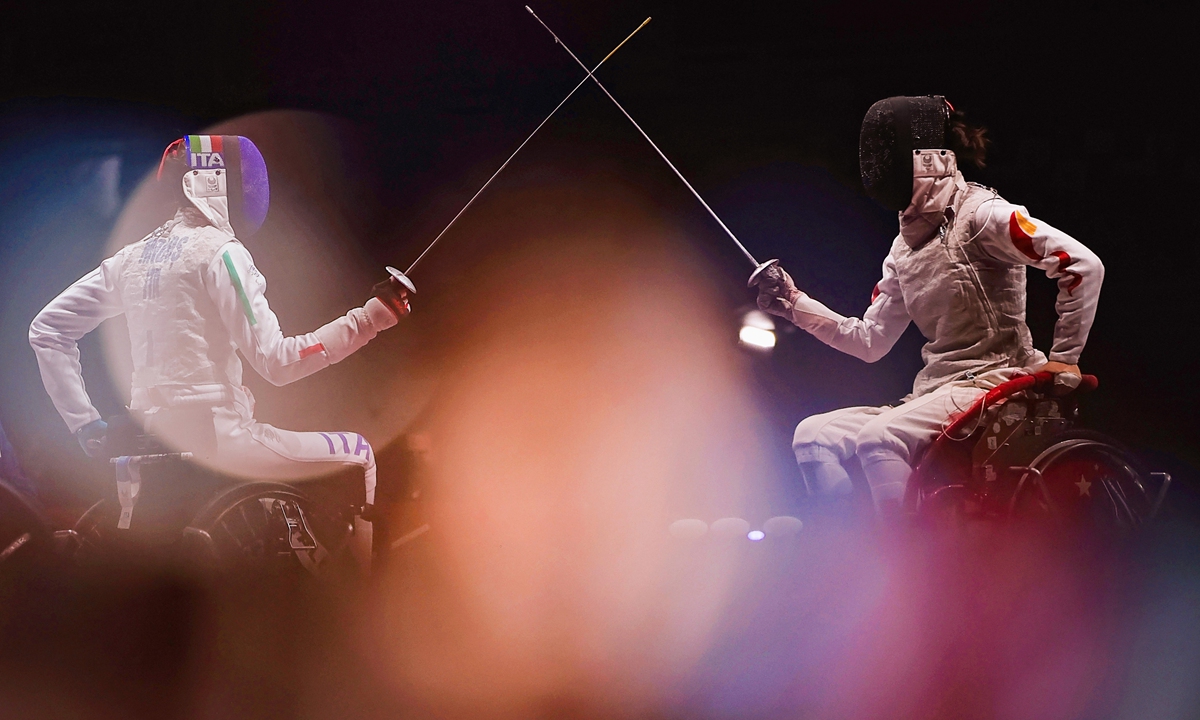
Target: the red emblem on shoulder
(1021, 232)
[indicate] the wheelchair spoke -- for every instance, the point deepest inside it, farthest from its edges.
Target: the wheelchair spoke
(249, 525)
(232, 536)
(1118, 496)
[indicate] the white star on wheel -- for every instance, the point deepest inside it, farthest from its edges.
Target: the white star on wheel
(1085, 487)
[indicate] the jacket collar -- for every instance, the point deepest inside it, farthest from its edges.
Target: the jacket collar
(936, 183)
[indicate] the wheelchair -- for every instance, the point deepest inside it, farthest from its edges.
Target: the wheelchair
(167, 507)
(25, 534)
(1019, 455)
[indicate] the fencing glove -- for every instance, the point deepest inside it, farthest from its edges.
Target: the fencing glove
(776, 292)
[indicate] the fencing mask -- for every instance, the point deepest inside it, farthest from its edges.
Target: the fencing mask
(225, 178)
(892, 130)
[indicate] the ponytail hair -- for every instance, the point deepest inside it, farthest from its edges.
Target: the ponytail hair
(970, 143)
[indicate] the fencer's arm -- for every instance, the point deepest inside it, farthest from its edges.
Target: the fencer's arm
(867, 339)
(55, 332)
(239, 290)
(1008, 233)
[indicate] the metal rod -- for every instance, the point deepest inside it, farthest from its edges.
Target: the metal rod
(410, 536)
(535, 131)
(157, 457)
(724, 227)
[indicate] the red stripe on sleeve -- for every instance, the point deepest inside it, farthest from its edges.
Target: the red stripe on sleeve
(216, 143)
(1020, 238)
(875, 293)
(312, 350)
(1064, 260)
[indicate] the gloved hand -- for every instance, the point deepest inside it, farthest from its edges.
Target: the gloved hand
(388, 303)
(776, 292)
(92, 438)
(1066, 377)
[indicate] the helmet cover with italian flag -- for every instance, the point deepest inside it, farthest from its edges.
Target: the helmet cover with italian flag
(226, 179)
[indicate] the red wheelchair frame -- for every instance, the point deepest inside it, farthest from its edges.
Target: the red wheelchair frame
(1019, 452)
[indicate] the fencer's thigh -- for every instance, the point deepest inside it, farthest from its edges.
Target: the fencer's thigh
(907, 428)
(257, 450)
(834, 432)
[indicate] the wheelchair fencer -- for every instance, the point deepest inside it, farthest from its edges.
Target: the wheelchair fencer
(168, 505)
(1020, 454)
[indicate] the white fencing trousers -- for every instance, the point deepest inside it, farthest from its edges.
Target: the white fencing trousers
(881, 436)
(248, 448)
(251, 449)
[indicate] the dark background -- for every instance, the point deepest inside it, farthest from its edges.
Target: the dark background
(759, 105)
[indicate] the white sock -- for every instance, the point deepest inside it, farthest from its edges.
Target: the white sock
(826, 478)
(887, 474)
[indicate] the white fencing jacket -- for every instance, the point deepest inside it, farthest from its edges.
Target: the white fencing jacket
(191, 296)
(964, 287)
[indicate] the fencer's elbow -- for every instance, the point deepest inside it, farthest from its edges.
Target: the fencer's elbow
(40, 334)
(279, 374)
(275, 376)
(871, 353)
(866, 354)
(871, 356)
(1088, 264)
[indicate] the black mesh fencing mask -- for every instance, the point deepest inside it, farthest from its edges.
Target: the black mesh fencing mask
(891, 131)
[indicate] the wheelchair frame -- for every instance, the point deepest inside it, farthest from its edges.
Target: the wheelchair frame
(245, 525)
(994, 459)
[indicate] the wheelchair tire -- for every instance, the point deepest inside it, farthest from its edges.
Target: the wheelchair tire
(98, 540)
(94, 532)
(1085, 481)
(271, 528)
(25, 536)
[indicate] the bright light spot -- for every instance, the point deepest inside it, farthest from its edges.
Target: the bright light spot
(756, 535)
(757, 337)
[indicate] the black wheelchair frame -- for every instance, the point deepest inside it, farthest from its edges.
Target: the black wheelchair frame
(213, 521)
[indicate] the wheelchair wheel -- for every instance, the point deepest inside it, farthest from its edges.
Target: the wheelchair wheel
(1085, 481)
(24, 534)
(98, 540)
(94, 533)
(269, 528)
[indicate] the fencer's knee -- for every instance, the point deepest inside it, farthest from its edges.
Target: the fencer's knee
(876, 440)
(369, 480)
(809, 431)
(363, 455)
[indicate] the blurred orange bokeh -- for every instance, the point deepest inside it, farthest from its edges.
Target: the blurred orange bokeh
(597, 387)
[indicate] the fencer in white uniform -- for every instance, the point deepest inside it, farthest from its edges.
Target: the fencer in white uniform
(957, 270)
(192, 298)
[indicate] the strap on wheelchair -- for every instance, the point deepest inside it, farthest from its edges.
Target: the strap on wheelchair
(129, 485)
(129, 480)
